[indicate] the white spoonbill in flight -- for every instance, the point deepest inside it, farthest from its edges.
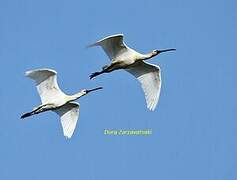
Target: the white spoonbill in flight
(54, 99)
(123, 57)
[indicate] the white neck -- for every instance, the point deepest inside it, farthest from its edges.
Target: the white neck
(76, 96)
(81, 93)
(147, 56)
(153, 53)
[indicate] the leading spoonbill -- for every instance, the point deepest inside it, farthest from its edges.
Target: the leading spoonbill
(54, 99)
(123, 57)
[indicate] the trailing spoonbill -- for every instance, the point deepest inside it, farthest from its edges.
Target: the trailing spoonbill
(54, 99)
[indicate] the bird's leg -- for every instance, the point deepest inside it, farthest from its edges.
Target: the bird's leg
(105, 69)
(36, 110)
(29, 114)
(100, 72)
(96, 74)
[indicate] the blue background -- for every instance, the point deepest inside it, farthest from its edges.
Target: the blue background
(194, 126)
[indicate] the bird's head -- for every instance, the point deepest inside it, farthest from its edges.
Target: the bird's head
(83, 91)
(156, 52)
(86, 91)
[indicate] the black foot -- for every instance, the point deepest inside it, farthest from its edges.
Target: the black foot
(94, 74)
(26, 115)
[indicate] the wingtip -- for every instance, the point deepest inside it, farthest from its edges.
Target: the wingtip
(152, 106)
(67, 137)
(91, 45)
(27, 73)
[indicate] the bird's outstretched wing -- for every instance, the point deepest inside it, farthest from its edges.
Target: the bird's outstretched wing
(149, 77)
(46, 83)
(112, 45)
(69, 114)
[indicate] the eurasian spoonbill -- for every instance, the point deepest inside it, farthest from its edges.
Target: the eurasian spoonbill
(54, 99)
(123, 57)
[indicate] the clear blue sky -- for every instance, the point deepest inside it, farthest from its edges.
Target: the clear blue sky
(194, 126)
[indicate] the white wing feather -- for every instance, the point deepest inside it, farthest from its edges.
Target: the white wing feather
(69, 114)
(112, 45)
(149, 77)
(46, 83)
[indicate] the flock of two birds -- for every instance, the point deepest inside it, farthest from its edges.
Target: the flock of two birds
(122, 57)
